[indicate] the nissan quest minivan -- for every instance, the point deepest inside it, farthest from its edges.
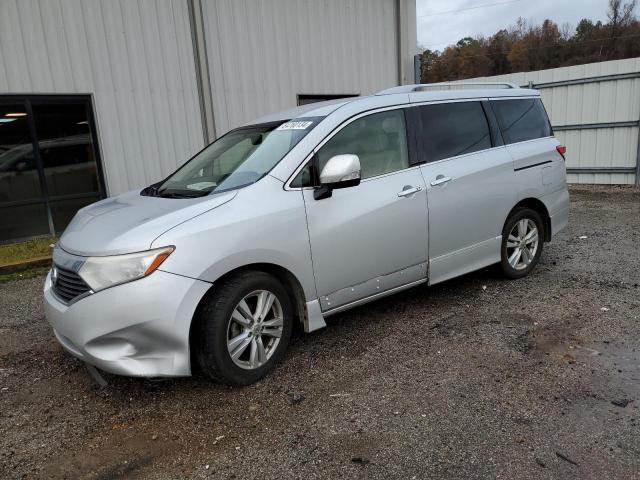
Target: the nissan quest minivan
(303, 214)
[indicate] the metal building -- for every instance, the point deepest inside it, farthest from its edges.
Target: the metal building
(595, 111)
(98, 97)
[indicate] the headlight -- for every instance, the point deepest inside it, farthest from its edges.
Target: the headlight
(104, 272)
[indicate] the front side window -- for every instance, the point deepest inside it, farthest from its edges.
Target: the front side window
(522, 119)
(379, 140)
(452, 129)
(239, 158)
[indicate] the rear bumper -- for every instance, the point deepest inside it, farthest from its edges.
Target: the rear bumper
(557, 204)
(139, 328)
(559, 221)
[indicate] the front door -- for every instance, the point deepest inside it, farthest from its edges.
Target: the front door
(371, 238)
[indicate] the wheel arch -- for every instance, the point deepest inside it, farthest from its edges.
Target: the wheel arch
(538, 206)
(284, 276)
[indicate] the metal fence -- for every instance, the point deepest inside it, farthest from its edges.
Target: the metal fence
(595, 112)
(596, 169)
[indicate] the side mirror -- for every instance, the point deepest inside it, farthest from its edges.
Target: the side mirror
(341, 171)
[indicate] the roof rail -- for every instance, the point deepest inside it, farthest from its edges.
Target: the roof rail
(422, 87)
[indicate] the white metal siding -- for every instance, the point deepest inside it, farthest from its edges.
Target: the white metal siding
(262, 54)
(607, 101)
(135, 57)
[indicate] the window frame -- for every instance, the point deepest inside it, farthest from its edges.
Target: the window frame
(312, 159)
(497, 140)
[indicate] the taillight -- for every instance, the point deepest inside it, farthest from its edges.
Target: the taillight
(561, 150)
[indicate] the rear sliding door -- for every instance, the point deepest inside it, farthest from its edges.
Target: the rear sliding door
(469, 179)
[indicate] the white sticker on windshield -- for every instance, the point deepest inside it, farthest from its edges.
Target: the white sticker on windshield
(201, 185)
(294, 125)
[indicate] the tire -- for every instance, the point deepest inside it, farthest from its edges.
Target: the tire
(514, 266)
(214, 328)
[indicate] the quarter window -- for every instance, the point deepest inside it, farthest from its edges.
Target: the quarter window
(379, 140)
(452, 129)
(304, 178)
(521, 120)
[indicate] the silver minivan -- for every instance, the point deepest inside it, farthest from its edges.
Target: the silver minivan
(303, 214)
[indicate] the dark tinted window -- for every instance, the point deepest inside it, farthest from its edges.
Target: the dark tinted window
(521, 120)
(303, 179)
(451, 129)
(66, 148)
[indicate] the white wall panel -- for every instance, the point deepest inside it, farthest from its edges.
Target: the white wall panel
(134, 57)
(608, 101)
(262, 53)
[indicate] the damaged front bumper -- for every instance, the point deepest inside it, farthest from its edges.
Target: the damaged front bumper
(140, 328)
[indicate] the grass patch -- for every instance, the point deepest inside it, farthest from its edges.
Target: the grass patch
(31, 273)
(27, 250)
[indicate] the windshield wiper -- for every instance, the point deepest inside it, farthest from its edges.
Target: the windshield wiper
(151, 190)
(171, 193)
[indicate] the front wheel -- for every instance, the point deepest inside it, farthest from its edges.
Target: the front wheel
(243, 328)
(522, 240)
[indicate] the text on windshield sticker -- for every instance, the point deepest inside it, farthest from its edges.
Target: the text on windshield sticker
(294, 125)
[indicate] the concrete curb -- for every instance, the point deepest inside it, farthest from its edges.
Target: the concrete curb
(25, 265)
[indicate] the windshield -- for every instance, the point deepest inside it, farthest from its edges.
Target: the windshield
(239, 158)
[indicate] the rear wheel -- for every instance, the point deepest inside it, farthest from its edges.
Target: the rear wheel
(522, 240)
(243, 328)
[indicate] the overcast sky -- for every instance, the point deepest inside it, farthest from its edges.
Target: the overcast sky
(458, 18)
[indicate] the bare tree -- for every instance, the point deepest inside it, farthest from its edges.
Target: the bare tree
(621, 15)
(566, 31)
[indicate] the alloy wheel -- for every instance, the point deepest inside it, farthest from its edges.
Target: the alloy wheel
(254, 330)
(522, 244)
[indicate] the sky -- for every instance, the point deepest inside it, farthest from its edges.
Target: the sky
(457, 19)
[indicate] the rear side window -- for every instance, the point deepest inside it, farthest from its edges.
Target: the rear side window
(521, 120)
(452, 129)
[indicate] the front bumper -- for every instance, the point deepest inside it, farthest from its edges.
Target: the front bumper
(140, 328)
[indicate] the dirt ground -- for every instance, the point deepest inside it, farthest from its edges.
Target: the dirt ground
(479, 377)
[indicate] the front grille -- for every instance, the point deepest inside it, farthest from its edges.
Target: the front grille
(68, 285)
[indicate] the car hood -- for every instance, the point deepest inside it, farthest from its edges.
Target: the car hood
(131, 222)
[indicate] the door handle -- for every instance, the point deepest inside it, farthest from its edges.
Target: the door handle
(409, 190)
(440, 179)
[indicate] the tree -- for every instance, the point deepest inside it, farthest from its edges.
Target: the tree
(524, 47)
(620, 16)
(498, 48)
(585, 28)
(427, 63)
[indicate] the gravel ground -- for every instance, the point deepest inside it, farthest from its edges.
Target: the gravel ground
(476, 378)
